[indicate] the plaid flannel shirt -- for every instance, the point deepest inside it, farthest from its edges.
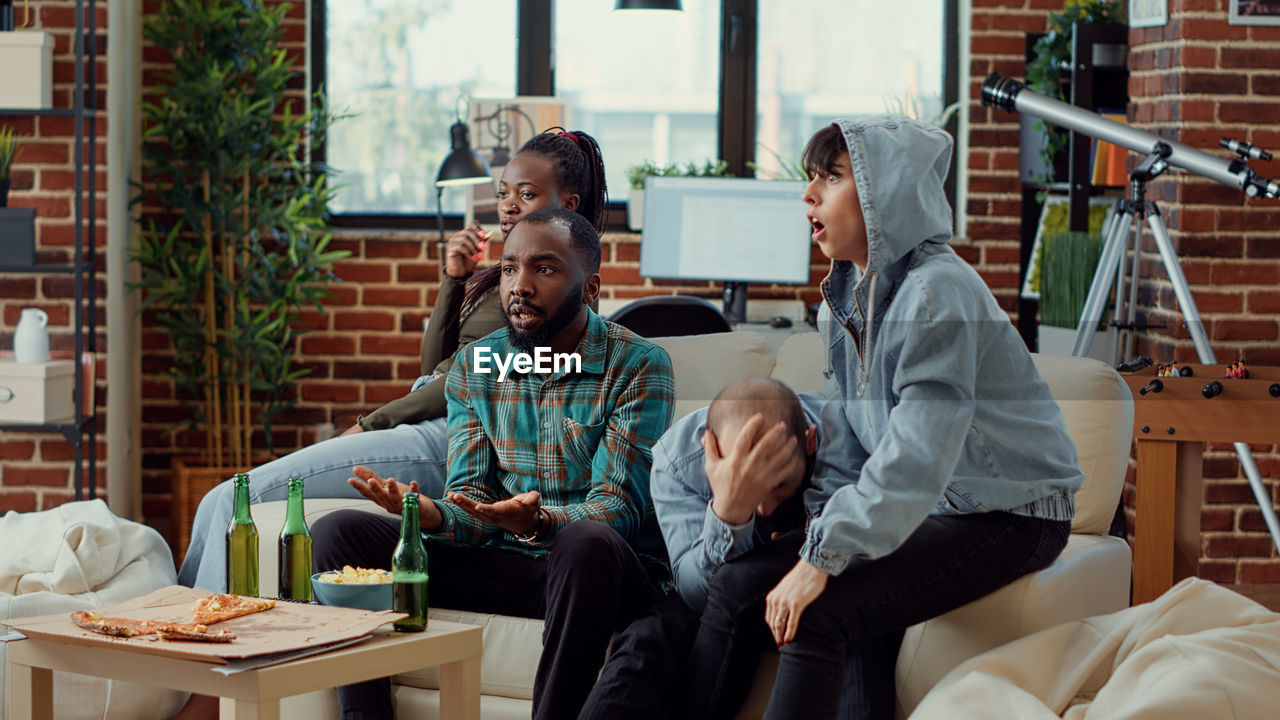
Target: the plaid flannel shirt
(582, 440)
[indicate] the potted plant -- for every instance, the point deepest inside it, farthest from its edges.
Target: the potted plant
(17, 225)
(233, 242)
(1052, 58)
(9, 144)
(1066, 274)
(637, 173)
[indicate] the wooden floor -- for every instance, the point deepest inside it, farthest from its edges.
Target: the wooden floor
(1265, 594)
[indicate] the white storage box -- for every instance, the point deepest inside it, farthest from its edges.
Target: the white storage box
(27, 82)
(37, 392)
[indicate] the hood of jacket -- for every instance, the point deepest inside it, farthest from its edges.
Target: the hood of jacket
(903, 207)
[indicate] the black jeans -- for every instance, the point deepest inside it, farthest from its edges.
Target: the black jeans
(646, 667)
(591, 583)
(848, 638)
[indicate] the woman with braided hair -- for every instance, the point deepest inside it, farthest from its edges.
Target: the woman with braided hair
(555, 168)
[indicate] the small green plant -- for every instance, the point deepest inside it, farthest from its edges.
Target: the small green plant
(1070, 260)
(1052, 59)
(911, 106)
(786, 170)
(711, 168)
(9, 144)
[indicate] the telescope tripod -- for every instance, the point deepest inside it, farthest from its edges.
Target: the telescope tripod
(1112, 269)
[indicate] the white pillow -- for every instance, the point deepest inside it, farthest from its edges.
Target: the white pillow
(800, 362)
(80, 556)
(706, 364)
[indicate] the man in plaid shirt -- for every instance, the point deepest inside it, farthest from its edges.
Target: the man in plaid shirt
(547, 511)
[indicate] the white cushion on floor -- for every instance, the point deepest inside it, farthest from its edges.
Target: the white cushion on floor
(80, 556)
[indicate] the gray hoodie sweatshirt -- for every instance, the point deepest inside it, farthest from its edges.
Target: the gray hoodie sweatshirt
(936, 405)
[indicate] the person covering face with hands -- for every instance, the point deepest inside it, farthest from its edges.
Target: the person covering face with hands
(726, 480)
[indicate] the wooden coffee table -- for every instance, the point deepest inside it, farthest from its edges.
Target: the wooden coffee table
(256, 694)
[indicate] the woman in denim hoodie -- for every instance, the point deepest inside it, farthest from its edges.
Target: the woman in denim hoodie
(945, 471)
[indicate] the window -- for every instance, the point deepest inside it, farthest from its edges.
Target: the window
(868, 57)
(644, 85)
(746, 81)
(396, 69)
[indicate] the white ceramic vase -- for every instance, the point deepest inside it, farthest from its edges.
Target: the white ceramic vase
(31, 338)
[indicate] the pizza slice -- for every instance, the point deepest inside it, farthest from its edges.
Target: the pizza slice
(220, 607)
(94, 621)
(116, 627)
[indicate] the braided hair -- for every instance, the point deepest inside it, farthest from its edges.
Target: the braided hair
(580, 170)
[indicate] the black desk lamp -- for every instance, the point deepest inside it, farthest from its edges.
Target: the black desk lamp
(648, 5)
(462, 166)
(501, 128)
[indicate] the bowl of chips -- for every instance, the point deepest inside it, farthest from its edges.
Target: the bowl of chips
(359, 588)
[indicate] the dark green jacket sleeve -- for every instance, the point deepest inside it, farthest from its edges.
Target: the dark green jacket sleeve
(440, 341)
(444, 335)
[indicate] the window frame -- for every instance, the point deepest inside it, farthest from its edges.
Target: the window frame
(535, 75)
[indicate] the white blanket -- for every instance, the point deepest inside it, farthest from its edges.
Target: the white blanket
(1199, 651)
(80, 556)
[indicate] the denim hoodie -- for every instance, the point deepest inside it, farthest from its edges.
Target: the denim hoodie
(942, 410)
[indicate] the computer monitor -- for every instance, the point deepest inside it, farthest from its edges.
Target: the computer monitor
(731, 230)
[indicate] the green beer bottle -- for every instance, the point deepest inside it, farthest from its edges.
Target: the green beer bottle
(409, 570)
(295, 549)
(242, 543)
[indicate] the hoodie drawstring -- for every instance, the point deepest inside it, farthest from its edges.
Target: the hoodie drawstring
(867, 357)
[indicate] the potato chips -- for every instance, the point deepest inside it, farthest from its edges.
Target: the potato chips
(356, 576)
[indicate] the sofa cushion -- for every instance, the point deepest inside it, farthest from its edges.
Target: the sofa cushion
(1098, 410)
(706, 364)
(800, 361)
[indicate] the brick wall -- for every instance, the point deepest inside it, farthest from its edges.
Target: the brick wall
(1188, 78)
(1193, 80)
(994, 202)
(36, 468)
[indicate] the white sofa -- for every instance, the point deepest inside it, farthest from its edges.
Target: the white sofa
(1091, 577)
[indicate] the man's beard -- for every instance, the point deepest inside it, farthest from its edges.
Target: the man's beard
(564, 316)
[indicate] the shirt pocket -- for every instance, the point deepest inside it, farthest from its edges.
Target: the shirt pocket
(580, 443)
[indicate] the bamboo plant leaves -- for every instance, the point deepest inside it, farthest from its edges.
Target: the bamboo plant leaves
(233, 240)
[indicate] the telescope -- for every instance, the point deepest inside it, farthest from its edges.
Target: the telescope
(1012, 96)
(1159, 154)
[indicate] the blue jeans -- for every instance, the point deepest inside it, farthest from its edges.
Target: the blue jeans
(846, 644)
(417, 452)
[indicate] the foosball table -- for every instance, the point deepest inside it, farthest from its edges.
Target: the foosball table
(1177, 408)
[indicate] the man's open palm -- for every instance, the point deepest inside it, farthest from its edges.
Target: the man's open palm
(389, 495)
(518, 513)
